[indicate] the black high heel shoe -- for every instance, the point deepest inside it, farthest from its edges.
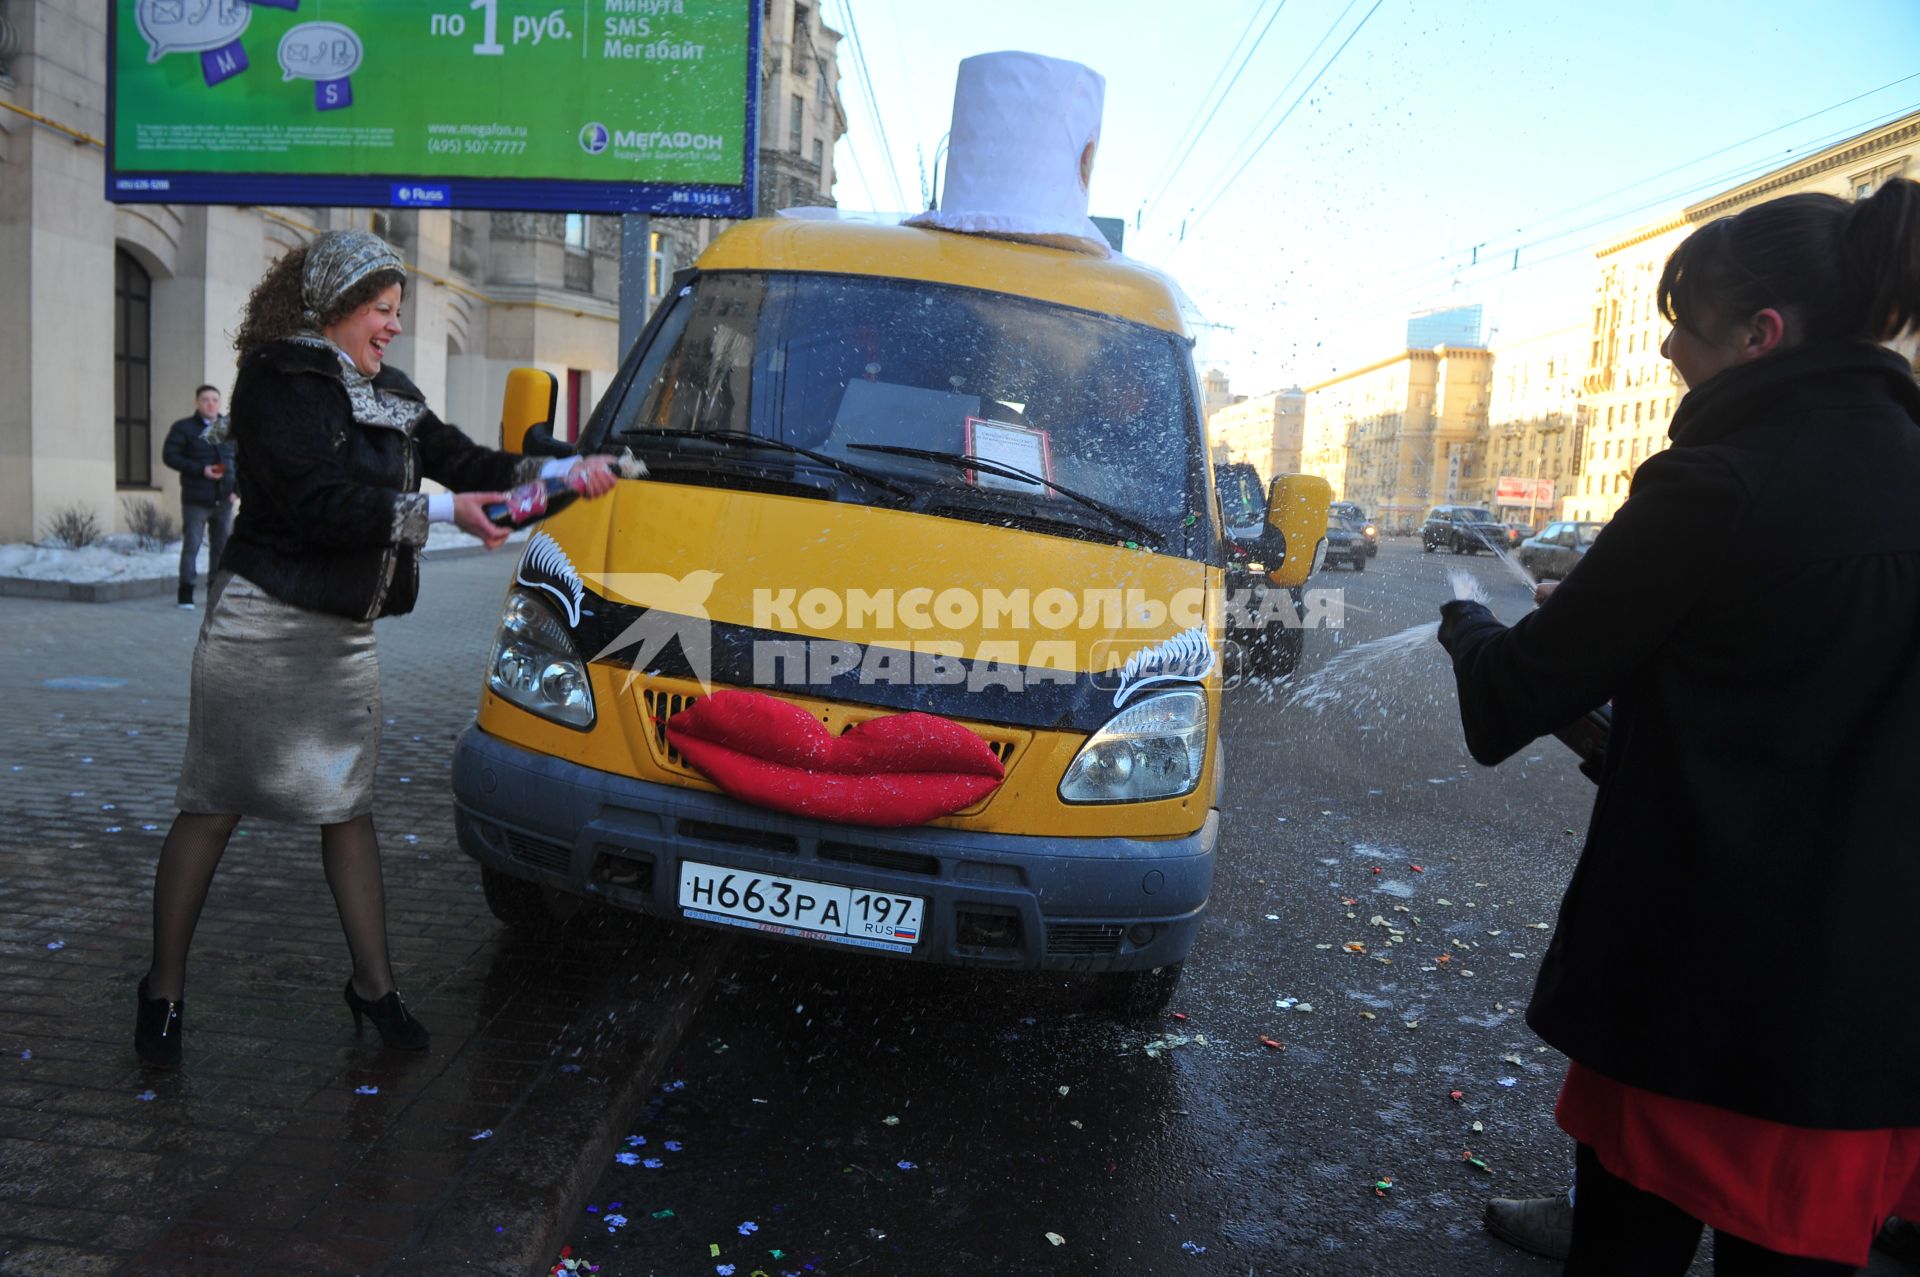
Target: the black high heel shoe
(157, 1027)
(398, 1028)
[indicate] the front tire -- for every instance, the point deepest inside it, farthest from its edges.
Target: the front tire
(1138, 995)
(520, 904)
(1359, 563)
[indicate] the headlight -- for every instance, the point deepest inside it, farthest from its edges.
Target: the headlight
(1154, 749)
(535, 666)
(1257, 568)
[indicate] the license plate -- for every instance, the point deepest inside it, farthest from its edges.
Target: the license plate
(798, 907)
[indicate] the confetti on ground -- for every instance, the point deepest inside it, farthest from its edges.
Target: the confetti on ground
(1508, 1081)
(615, 1222)
(1456, 1096)
(748, 1229)
(1056, 1239)
(1271, 1044)
(674, 1146)
(366, 1090)
(906, 1166)
(482, 1135)
(1419, 869)
(1193, 1248)
(653, 1163)
(889, 1120)
(569, 1068)
(1306, 1007)
(1381, 1187)
(1161, 1045)
(1064, 1090)
(26, 1055)
(1180, 1015)
(1513, 1057)
(1478, 1164)
(146, 1097)
(663, 1214)
(627, 1159)
(1478, 1128)
(56, 944)
(635, 1141)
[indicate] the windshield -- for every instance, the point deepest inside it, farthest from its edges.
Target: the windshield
(852, 368)
(1471, 514)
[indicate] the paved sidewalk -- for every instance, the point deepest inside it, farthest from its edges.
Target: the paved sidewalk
(287, 1145)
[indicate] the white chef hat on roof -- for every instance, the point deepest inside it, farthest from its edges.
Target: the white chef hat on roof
(1020, 155)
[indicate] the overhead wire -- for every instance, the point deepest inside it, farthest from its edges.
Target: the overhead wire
(1195, 219)
(873, 102)
(1504, 242)
(1183, 149)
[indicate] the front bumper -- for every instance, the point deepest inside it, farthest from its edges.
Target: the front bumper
(1022, 902)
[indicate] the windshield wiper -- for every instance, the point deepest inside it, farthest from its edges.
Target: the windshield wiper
(736, 440)
(967, 461)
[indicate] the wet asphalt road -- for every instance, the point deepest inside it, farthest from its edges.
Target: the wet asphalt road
(834, 1114)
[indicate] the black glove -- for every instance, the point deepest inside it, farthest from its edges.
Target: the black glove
(1456, 612)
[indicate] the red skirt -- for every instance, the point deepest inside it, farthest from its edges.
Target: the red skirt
(1792, 1189)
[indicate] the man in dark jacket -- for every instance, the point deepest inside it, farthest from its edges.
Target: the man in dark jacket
(198, 448)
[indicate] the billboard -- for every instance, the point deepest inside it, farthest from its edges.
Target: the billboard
(1510, 491)
(635, 106)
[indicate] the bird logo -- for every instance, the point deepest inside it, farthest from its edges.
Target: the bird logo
(676, 609)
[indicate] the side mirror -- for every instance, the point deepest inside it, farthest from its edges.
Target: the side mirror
(1297, 513)
(527, 405)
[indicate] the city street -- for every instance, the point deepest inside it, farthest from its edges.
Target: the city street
(849, 1114)
(833, 1114)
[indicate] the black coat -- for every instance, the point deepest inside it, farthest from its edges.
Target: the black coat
(190, 454)
(321, 525)
(1740, 928)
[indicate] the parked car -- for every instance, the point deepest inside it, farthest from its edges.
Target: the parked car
(1357, 521)
(1462, 529)
(1518, 532)
(1344, 545)
(1558, 547)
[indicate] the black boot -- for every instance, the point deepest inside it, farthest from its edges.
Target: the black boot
(157, 1028)
(397, 1026)
(186, 597)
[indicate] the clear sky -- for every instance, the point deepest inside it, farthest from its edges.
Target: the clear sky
(1441, 125)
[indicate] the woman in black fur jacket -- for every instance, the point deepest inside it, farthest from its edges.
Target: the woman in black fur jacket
(286, 716)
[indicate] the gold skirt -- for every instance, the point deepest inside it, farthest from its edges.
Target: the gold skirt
(285, 718)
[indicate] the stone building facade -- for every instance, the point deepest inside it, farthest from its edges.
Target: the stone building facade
(1402, 434)
(1261, 430)
(116, 312)
(1536, 424)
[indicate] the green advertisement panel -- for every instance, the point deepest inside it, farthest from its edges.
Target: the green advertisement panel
(457, 102)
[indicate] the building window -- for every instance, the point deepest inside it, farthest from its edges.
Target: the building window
(656, 265)
(576, 232)
(820, 88)
(820, 158)
(793, 130)
(579, 257)
(799, 23)
(132, 372)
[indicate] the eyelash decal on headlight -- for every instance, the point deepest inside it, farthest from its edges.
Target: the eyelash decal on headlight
(545, 566)
(1187, 657)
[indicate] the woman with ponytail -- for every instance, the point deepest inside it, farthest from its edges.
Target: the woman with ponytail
(1732, 974)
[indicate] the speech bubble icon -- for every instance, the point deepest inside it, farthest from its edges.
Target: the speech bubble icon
(190, 26)
(319, 51)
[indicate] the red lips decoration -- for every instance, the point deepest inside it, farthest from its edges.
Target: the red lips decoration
(902, 769)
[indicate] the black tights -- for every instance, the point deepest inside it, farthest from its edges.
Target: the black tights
(1620, 1231)
(350, 854)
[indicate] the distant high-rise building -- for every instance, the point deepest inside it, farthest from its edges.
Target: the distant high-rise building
(1457, 326)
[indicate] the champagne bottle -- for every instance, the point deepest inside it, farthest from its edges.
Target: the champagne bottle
(1587, 736)
(531, 501)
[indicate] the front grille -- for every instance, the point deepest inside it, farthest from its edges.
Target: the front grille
(659, 707)
(539, 853)
(880, 858)
(1080, 940)
(1002, 750)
